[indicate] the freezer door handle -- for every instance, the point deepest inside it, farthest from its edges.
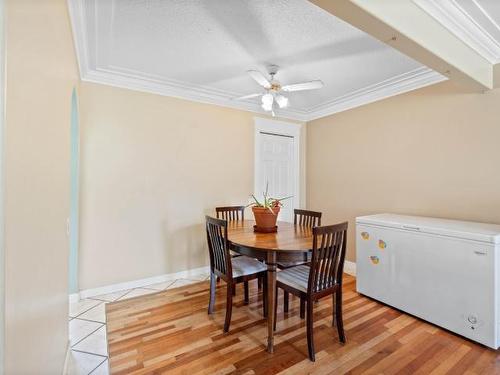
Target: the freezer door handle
(410, 227)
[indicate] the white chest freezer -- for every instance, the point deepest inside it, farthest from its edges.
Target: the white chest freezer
(442, 271)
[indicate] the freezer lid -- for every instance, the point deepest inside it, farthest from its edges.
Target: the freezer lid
(453, 228)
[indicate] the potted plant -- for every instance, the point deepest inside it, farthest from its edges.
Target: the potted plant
(266, 212)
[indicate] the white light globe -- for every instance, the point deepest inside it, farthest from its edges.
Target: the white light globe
(267, 107)
(267, 102)
(282, 101)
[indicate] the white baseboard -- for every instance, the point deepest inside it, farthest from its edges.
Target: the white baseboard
(350, 268)
(66, 360)
(74, 297)
(137, 283)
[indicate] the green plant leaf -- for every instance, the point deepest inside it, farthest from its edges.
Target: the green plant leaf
(270, 209)
(268, 202)
(282, 199)
(257, 203)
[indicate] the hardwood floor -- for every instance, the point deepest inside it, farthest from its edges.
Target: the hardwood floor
(170, 332)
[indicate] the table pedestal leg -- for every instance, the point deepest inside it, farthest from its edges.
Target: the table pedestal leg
(271, 299)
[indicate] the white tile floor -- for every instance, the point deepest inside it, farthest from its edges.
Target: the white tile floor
(87, 326)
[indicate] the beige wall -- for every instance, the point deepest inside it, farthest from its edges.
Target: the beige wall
(41, 72)
(151, 168)
(431, 152)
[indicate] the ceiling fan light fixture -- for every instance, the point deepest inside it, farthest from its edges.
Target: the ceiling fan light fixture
(267, 102)
(267, 107)
(282, 101)
(274, 89)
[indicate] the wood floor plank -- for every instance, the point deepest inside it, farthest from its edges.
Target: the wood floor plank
(171, 332)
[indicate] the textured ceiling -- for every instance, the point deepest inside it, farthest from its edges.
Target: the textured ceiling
(207, 47)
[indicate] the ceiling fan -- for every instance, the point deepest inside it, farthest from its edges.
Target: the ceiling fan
(273, 94)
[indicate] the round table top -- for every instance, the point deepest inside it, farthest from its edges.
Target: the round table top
(289, 238)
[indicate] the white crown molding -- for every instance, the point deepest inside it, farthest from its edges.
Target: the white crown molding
(454, 18)
(140, 81)
(399, 84)
(76, 10)
(412, 80)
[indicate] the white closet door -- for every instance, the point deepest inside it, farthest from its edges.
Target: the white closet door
(277, 167)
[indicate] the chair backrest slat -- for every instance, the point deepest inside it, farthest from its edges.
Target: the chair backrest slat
(327, 262)
(230, 213)
(220, 259)
(306, 218)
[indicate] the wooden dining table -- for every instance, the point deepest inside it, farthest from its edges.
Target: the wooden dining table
(289, 243)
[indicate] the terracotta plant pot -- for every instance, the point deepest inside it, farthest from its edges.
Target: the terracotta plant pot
(265, 220)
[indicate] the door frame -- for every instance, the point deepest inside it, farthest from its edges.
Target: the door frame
(289, 129)
(2, 184)
(74, 214)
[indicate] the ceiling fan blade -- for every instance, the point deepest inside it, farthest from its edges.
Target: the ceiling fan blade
(250, 96)
(259, 78)
(311, 85)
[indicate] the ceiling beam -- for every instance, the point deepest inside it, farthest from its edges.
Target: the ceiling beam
(409, 29)
(496, 75)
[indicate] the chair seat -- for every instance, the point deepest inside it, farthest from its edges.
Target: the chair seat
(244, 266)
(296, 277)
(234, 254)
(285, 265)
(305, 261)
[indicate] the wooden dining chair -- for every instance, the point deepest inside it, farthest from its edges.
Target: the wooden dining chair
(229, 269)
(304, 218)
(307, 218)
(319, 279)
(230, 213)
